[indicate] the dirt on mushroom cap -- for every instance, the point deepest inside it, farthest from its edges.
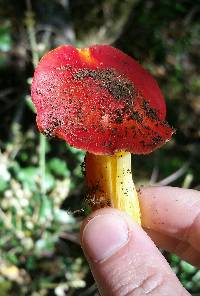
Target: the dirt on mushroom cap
(98, 100)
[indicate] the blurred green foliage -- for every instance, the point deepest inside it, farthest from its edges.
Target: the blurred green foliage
(41, 185)
(5, 38)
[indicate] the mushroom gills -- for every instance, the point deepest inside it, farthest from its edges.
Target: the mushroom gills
(109, 183)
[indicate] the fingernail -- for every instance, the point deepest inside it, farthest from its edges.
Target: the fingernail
(104, 235)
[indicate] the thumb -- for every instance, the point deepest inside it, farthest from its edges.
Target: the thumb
(123, 259)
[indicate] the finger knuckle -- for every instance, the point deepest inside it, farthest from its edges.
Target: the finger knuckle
(146, 286)
(192, 232)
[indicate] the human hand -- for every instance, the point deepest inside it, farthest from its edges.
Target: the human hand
(123, 258)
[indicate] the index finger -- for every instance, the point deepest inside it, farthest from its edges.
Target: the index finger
(173, 213)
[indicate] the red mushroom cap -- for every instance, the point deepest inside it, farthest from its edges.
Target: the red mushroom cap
(100, 100)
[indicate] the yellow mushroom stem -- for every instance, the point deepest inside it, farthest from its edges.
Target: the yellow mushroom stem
(109, 182)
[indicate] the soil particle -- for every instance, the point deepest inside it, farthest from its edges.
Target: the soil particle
(49, 131)
(136, 116)
(157, 139)
(150, 112)
(64, 68)
(117, 85)
(95, 197)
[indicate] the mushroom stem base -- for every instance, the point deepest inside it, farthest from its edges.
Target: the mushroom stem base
(109, 183)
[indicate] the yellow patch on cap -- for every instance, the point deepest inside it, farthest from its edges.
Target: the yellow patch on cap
(85, 55)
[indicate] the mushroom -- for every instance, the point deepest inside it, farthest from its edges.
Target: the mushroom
(102, 101)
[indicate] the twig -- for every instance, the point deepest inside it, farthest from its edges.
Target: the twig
(73, 237)
(197, 187)
(188, 180)
(30, 23)
(173, 177)
(190, 15)
(35, 59)
(5, 93)
(90, 290)
(154, 175)
(42, 162)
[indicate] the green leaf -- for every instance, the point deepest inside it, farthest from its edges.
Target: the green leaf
(79, 153)
(187, 267)
(5, 287)
(174, 259)
(196, 278)
(30, 104)
(28, 176)
(45, 210)
(5, 39)
(12, 258)
(45, 244)
(3, 185)
(58, 167)
(49, 182)
(31, 263)
(63, 217)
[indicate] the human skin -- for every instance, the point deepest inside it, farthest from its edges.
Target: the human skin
(124, 258)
